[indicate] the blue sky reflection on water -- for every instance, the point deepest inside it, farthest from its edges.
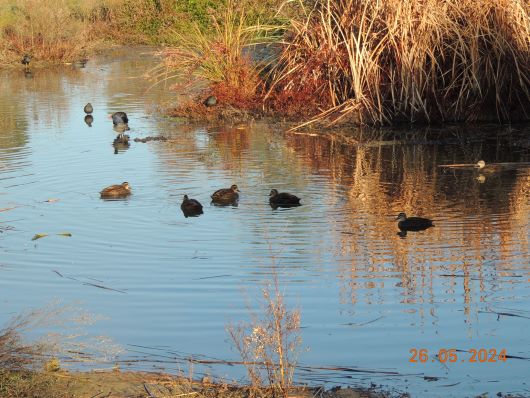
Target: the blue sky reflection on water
(367, 296)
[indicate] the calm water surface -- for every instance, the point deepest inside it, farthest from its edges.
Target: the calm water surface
(367, 295)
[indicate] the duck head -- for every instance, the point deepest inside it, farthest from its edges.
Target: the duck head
(273, 193)
(235, 188)
(401, 217)
(481, 164)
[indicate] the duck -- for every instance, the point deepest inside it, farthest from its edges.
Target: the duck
(413, 223)
(88, 108)
(89, 119)
(119, 118)
(487, 168)
(210, 101)
(283, 199)
(191, 207)
(26, 59)
(226, 195)
(116, 191)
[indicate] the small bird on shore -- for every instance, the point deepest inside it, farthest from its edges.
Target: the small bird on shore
(116, 191)
(88, 108)
(283, 199)
(119, 118)
(210, 101)
(26, 59)
(226, 195)
(191, 207)
(413, 223)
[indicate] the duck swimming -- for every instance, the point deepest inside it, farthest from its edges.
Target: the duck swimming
(283, 199)
(413, 223)
(226, 195)
(116, 191)
(191, 207)
(88, 108)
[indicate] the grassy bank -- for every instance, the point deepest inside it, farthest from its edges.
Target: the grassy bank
(62, 31)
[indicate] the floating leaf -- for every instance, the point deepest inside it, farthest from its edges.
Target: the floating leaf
(38, 236)
(65, 234)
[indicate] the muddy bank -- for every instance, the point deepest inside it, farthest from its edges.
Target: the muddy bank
(117, 384)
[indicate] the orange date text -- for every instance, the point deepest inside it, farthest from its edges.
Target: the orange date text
(451, 355)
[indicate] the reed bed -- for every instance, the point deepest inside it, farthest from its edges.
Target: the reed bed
(383, 61)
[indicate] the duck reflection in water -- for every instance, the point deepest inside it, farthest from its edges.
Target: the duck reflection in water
(89, 119)
(121, 143)
(191, 207)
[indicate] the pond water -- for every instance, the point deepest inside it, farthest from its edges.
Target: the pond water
(167, 286)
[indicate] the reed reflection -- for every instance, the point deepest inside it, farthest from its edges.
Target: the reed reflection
(479, 227)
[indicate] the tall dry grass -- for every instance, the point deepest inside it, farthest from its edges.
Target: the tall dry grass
(381, 61)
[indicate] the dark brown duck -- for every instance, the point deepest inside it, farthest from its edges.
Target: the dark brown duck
(413, 223)
(226, 195)
(283, 199)
(191, 207)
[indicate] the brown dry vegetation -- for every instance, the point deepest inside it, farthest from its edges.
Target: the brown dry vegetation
(384, 61)
(63, 31)
(46, 30)
(269, 344)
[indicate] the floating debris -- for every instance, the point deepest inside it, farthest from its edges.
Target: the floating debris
(150, 138)
(39, 236)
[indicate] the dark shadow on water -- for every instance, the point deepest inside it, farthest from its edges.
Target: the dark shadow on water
(218, 203)
(276, 206)
(116, 199)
